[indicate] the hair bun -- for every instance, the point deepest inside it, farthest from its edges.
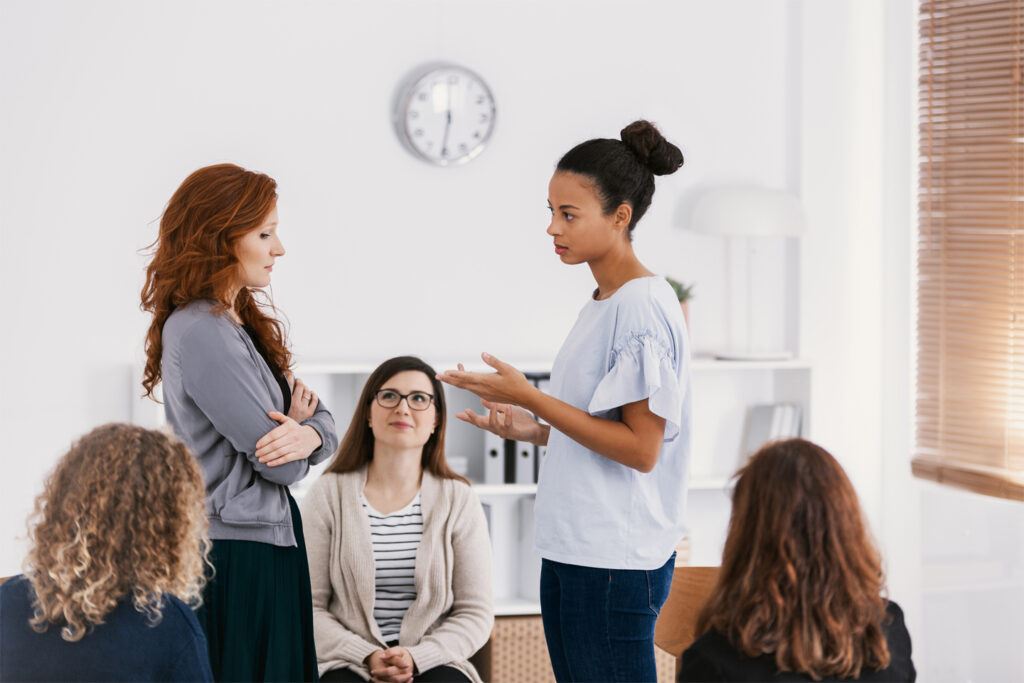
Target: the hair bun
(651, 147)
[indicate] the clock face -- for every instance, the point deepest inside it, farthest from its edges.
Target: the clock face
(445, 115)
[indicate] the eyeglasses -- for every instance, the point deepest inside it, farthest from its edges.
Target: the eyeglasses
(417, 400)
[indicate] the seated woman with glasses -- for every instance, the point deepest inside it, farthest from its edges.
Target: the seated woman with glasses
(117, 545)
(800, 592)
(399, 556)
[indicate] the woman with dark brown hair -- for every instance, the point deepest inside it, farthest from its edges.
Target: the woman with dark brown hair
(799, 593)
(398, 548)
(222, 357)
(118, 540)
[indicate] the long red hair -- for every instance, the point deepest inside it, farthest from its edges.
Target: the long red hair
(800, 577)
(194, 257)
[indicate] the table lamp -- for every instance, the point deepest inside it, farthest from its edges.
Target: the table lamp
(741, 213)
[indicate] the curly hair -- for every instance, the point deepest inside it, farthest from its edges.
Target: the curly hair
(122, 514)
(800, 576)
(194, 258)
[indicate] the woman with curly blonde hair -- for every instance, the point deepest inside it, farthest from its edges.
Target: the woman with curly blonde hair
(800, 592)
(118, 542)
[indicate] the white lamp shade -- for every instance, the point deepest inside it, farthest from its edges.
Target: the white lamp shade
(747, 211)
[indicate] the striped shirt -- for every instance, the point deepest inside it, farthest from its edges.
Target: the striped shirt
(395, 540)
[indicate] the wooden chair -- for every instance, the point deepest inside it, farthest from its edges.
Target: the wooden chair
(3, 579)
(675, 629)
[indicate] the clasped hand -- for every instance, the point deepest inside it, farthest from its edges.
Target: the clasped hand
(393, 665)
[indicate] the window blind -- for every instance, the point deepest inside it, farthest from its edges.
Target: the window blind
(970, 361)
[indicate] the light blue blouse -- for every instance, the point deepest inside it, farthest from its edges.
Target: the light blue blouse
(592, 511)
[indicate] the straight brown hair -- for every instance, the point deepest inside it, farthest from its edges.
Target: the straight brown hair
(356, 449)
(800, 576)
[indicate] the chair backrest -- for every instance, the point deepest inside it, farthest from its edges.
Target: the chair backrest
(677, 623)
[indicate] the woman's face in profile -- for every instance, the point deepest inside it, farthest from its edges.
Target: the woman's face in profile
(257, 251)
(403, 413)
(579, 228)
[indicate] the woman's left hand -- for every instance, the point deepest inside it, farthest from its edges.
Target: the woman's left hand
(398, 666)
(506, 385)
(290, 441)
(304, 401)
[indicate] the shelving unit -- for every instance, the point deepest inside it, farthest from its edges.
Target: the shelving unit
(723, 390)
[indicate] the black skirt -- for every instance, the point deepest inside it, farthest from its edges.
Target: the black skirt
(258, 611)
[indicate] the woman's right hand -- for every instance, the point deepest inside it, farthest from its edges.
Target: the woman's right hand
(288, 442)
(508, 422)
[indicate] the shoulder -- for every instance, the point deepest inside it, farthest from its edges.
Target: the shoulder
(712, 657)
(197, 325)
(896, 629)
(639, 293)
(702, 661)
(325, 491)
(195, 314)
(16, 591)
(461, 501)
(179, 616)
(713, 644)
(459, 493)
(895, 626)
(649, 305)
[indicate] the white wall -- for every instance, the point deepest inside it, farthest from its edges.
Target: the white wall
(108, 105)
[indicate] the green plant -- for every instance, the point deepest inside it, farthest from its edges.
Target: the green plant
(683, 292)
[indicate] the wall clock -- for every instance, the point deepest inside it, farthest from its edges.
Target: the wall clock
(444, 114)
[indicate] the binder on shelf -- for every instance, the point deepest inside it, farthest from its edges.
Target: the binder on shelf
(494, 459)
(509, 449)
(543, 382)
(526, 462)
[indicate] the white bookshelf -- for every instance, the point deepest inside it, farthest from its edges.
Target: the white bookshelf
(516, 607)
(723, 392)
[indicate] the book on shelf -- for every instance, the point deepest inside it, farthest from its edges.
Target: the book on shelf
(770, 422)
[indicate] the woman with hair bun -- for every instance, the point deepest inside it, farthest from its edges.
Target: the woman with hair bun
(222, 356)
(117, 544)
(612, 490)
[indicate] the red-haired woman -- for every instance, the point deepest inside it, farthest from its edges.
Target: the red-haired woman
(223, 361)
(799, 594)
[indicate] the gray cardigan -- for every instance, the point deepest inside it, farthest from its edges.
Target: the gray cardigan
(217, 392)
(452, 614)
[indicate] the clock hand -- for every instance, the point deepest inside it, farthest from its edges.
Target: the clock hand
(448, 121)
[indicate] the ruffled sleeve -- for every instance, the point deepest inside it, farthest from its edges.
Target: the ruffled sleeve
(641, 366)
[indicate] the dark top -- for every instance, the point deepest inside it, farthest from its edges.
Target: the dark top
(123, 648)
(282, 382)
(713, 658)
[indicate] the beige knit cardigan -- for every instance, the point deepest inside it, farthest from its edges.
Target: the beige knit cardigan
(452, 615)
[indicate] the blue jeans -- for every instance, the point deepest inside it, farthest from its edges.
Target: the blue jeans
(599, 623)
